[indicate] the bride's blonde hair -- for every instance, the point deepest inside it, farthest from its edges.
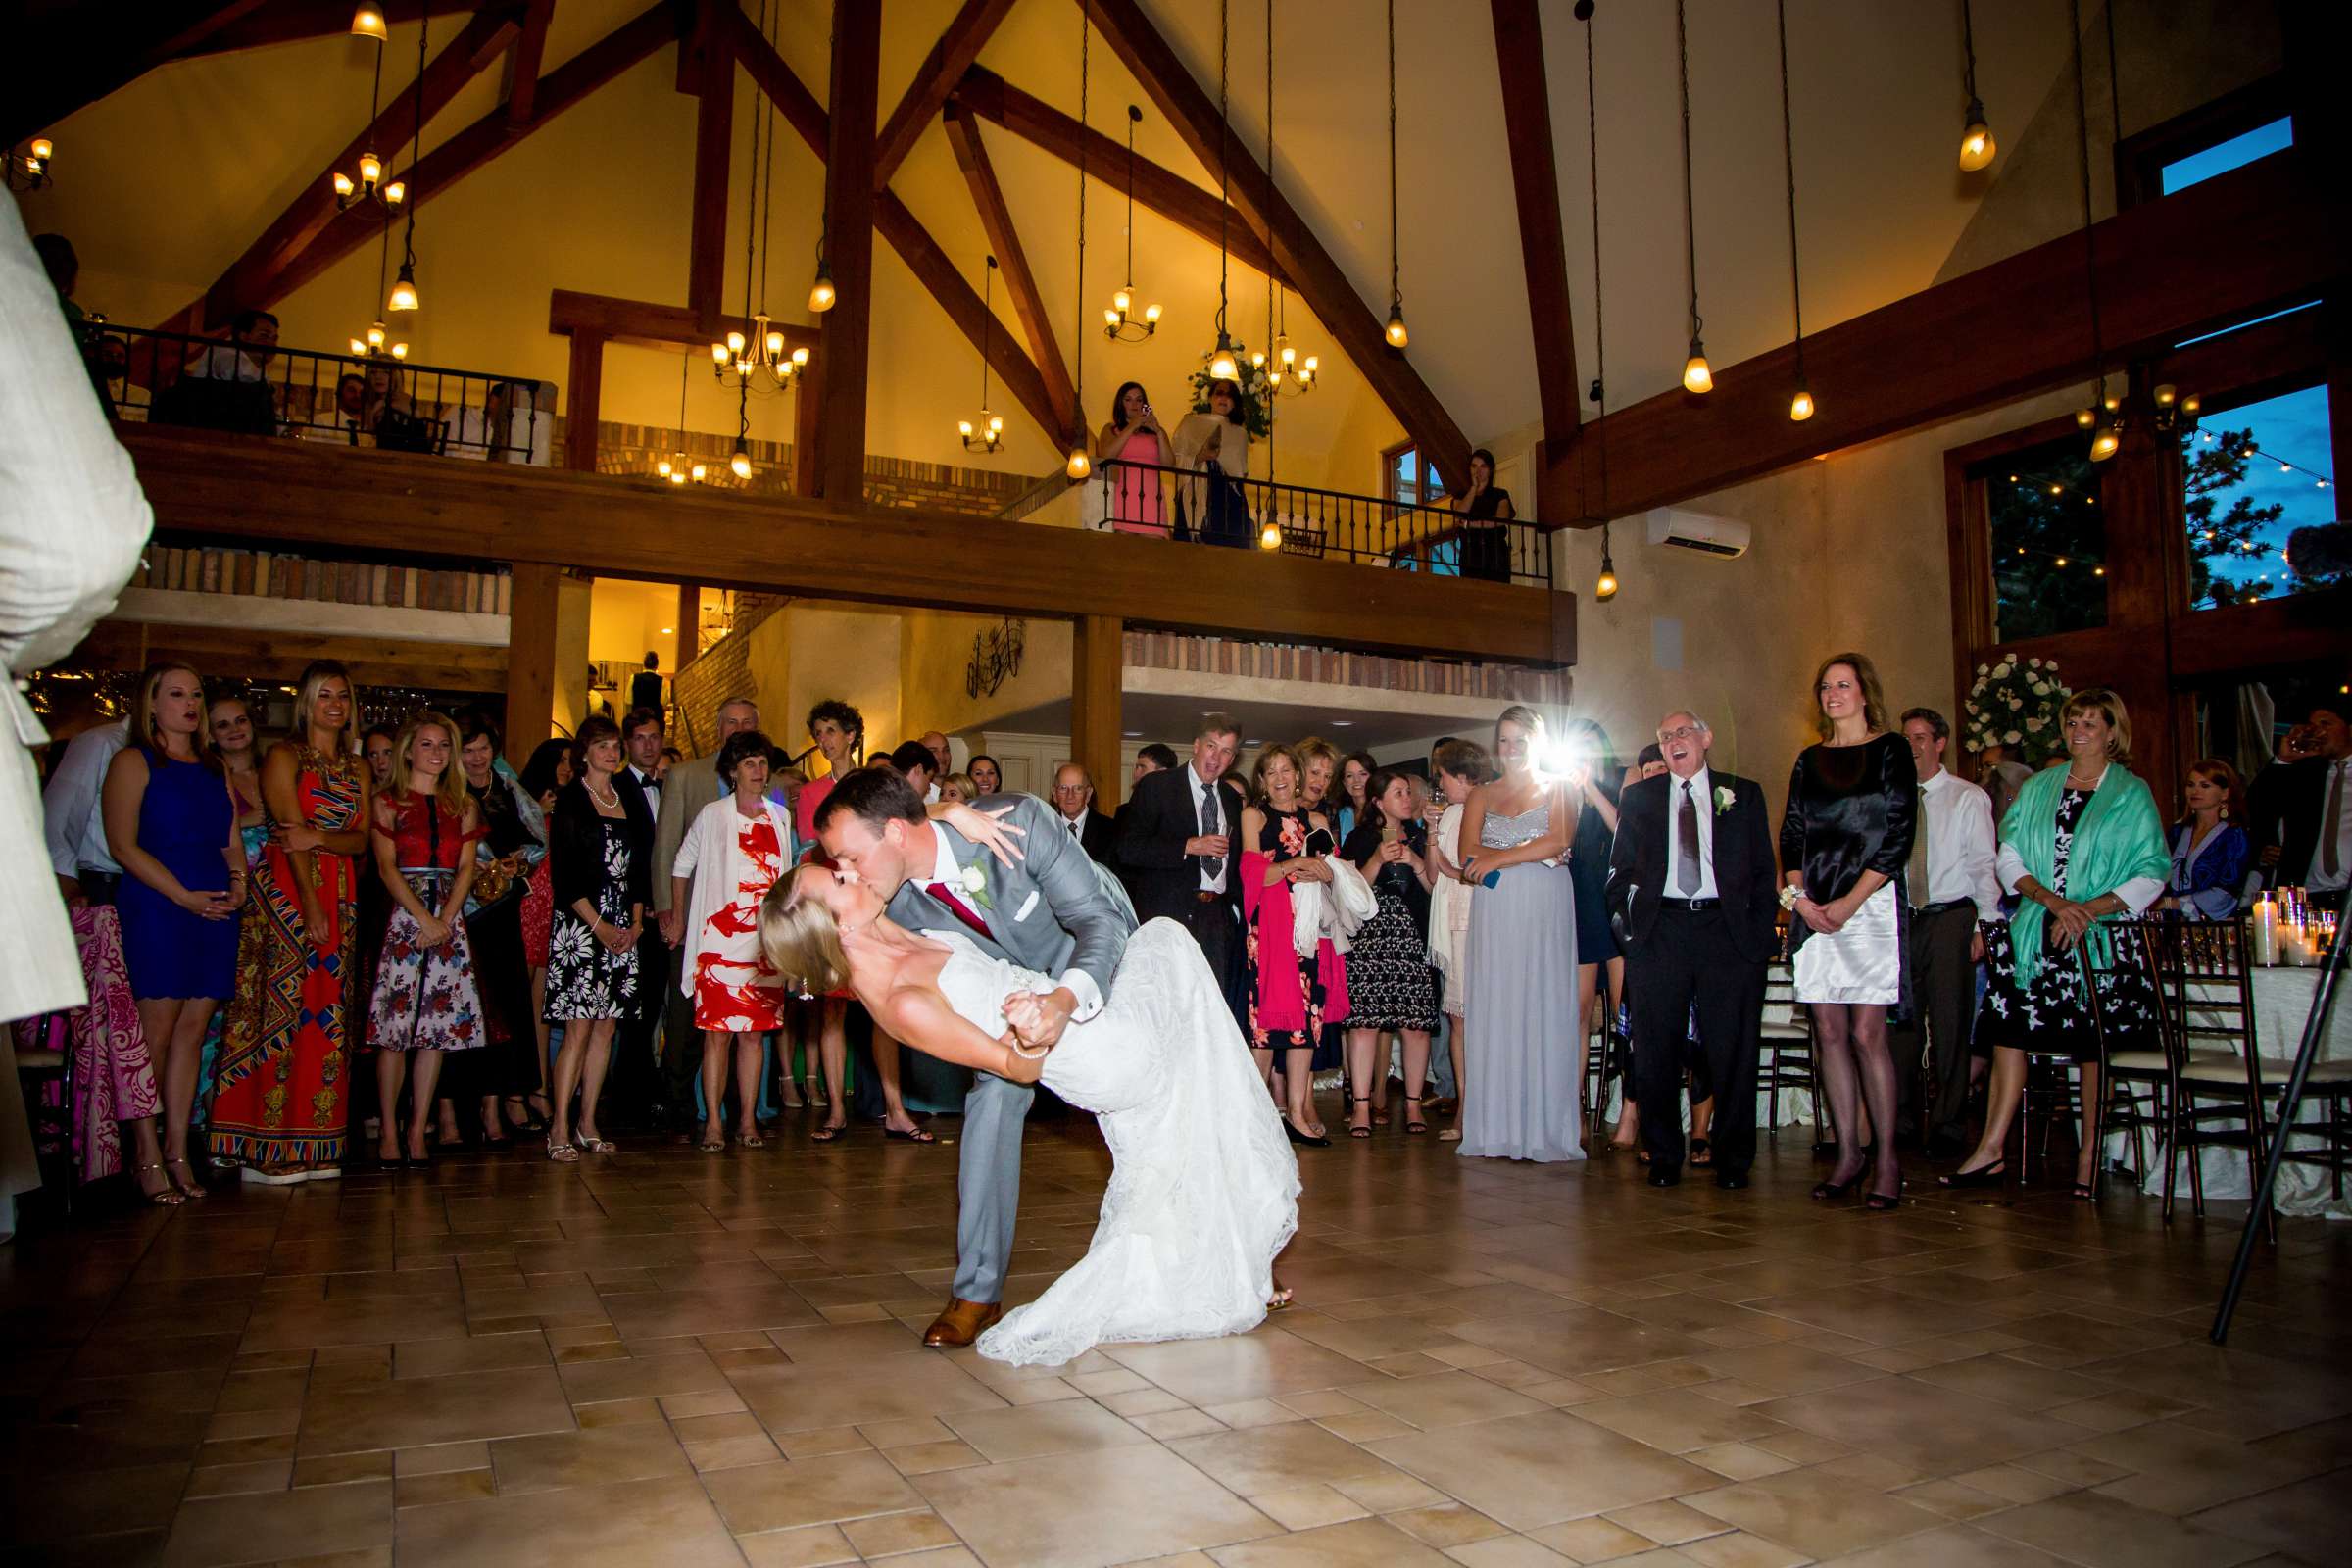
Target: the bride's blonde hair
(798, 935)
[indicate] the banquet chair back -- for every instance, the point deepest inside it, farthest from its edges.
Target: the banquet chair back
(2137, 1079)
(2205, 1012)
(1787, 1049)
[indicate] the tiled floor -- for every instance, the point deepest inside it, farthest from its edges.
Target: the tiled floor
(662, 1357)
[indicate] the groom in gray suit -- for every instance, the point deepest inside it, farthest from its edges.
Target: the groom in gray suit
(1047, 913)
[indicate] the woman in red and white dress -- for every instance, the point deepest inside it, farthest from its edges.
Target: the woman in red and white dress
(732, 854)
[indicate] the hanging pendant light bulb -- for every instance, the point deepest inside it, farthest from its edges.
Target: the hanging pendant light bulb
(740, 462)
(1117, 323)
(1222, 365)
(820, 292)
(1607, 588)
(989, 432)
(1975, 138)
(367, 21)
(1079, 465)
(404, 291)
(1696, 376)
(1269, 537)
(1396, 333)
(1800, 404)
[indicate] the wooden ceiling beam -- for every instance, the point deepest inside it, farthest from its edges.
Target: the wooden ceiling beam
(277, 22)
(645, 325)
(251, 487)
(922, 254)
(525, 60)
(251, 278)
(74, 55)
(483, 141)
(995, 218)
(958, 46)
(2271, 234)
(1536, 182)
(1311, 269)
(1157, 187)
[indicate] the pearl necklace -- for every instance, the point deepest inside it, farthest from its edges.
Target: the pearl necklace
(610, 799)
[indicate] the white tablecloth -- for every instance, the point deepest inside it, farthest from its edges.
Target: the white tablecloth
(2282, 1002)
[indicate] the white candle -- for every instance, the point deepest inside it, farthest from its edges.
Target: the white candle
(2264, 932)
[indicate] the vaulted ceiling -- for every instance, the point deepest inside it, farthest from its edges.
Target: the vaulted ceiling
(164, 183)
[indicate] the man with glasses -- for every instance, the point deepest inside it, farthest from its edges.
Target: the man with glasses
(1074, 803)
(1691, 896)
(1179, 842)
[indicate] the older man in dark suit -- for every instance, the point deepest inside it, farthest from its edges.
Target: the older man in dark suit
(1691, 896)
(1178, 848)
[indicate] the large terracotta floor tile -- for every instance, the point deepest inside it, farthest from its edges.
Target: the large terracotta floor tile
(1252, 1366)
(1358, 1543)
(1078, 1510)
(270, 1527)
(1933, 1430)
(1532, 1470)
(600, 1457)
(791, 1398)
(632, 1525)
(1820, 1511)
(406, 1414)
(808, 1492)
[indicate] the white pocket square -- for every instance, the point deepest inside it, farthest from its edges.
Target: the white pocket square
(1027, 903)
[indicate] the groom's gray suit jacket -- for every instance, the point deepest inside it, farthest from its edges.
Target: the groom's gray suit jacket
(1047, 912)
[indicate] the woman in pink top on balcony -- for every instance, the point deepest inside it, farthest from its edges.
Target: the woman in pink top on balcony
(1135, 435)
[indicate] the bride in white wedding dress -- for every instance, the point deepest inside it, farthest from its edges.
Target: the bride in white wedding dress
(1203, 1188)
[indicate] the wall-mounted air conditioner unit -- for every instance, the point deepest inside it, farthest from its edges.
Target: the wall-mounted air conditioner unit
(1697, 530)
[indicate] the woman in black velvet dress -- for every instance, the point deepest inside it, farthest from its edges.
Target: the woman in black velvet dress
(1845, 841)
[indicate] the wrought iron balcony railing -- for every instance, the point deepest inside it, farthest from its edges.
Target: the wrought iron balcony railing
(248, 388)
(1195, 506)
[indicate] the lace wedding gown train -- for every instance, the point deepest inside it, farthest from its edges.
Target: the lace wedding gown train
(1203, 1190)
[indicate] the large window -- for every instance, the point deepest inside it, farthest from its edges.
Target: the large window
(2049, 541)
(2251, 476)
(1408, 479)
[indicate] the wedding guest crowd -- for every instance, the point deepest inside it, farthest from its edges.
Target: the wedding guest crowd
(548, 951)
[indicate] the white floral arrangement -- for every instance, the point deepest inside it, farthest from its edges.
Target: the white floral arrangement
(2016, 703)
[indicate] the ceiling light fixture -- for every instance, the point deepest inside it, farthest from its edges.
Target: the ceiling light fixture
(1696, 376)
(370, 185)
(1396, 334)
(1118, 324)
(1285, 372)
(759, 361)
(1607, 588)
(1079, 465)
(1976, 138)
(28, 170)
(1222, 365)
(367, 21)
(1801, 402)
(989, 433)
(403, 292)
(678, 467)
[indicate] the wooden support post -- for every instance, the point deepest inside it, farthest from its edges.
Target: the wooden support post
(587, 393)
(689, 624)
(531, 660)
(1536, 181)
(849, 244)
(1097, 664)
(809, 430)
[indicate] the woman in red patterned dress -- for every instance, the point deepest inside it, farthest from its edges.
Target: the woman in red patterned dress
(282, 1100)
(732, 854)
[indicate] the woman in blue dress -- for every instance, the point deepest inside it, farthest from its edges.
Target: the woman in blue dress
(2210, 847)
(1521, 1092)
(171, 824)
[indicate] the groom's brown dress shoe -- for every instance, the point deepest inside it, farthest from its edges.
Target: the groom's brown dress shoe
(961, 1323)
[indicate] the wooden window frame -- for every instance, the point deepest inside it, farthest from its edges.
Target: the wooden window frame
(2140, 158)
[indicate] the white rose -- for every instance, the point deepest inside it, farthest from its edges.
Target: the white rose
(1981, 668)
(2033, 663)
(2042, 688)
(2001, 672)
(2033, 726)
(975, 878)
(2010, 738)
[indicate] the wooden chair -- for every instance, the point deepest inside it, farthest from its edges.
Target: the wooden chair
(1788, 1048)
(46, 1063)
(2136, 1082)
(2207, 1015)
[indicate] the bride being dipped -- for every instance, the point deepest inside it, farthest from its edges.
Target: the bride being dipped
(1203, 1190)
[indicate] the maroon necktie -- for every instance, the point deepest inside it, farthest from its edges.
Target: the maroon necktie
(956, 907)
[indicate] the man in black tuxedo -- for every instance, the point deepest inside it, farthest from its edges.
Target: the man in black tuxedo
(636, 1091)
(1074, 803)
(1178, 847)
(1690, 897)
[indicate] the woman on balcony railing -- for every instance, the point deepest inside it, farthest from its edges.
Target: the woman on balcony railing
(1136, 435)
(1485, 509)
(1216, 444)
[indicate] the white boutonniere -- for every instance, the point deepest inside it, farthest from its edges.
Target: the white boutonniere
(1723, 798)
(974, 878)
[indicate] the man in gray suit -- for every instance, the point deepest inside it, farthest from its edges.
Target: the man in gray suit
(1047, 913)
(689, 788)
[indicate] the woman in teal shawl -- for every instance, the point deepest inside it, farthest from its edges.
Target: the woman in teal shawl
(2080, 845)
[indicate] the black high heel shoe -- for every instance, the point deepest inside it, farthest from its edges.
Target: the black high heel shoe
(1826, 1192)
(1353, 1131)
(1992, 1175)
